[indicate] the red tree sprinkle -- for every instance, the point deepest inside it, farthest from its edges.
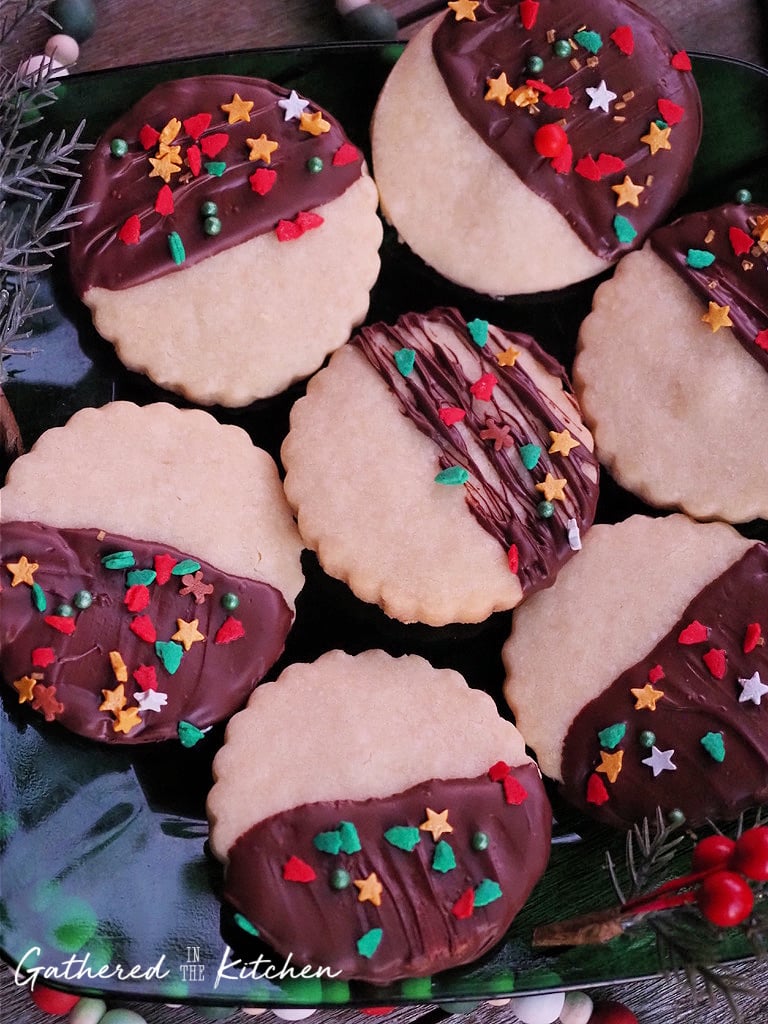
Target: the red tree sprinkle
(587, 167)
(146, 677)
(623, 38)
(695, 633)
(681, 61)
(596, 792)
(195, 126)
(499, 771)
(464, 905)
(148, 136)
(164, 201)
(163, 565)
(345, 154)
(143, 627)
(761, 339)
(297, 870)
(560, 98)
(671, 112)
(130, 232)
(563, 162)
(42, 657)
(231, 629)
(483, 387)
(212, 145)
(752, 637)
(194, 160)
(62, 623)
(514, 792)
(136, 598)
(610, 164)
(262, 180)
(655, 674)
(451, 414)
(529, 12)
(740, 241)
(715, 661)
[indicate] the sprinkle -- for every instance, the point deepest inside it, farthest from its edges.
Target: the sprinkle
(681, 61)
(170, 654)
(314, 123)
(194, 160)
(176, 248)
(350, 840)
(185, 567)
(624, 39)
(487, 892)
(195, 126)
(42, 657)
(25, 687)
(136, 598)
(657, 138)
(61, 623)
(38, 597)
(623, 229)
(261, 148)
(514, 792)
(715, 661)
(628, 192)
(189, 734)
(574, 535)
(287, 230)
(368, 943)
(553, 488)
(498, 771)
(530, 454)
(369, 889)
(114, 700)
(231, 629)
(328, 842)
(559, 99)
(163, 567)
(143, 627)
(340, 879)
(405, 360)
(215, 168)
(699, 258)
(345, 154)
(714, 745)
(695, 633)
(587, 168)
(144, 577)
(647, 697)
(453, 476)
(130, 232)
(119, 667)
(478, 330)
(482, 388)
(671, 112)
(238, 109)
(752, 689)
(597, 793)
(44, 700)
(212, 226)
(464, 905)
(529, 12)
(740, 241)
(66, 611)
(508, 357)
(187, 633)
(165, 166)
(660, 761)
(245, 924)
(127, 719)
(493, 431)
(561, 47)
(545, 509)
(752, 637)
(293, 106)
(451, 414)
(717, 317)
(607, 164)
(611, 764)
(443, 859)
(647, 738)
(146, 677)
(480, 841)
(562, 442)
(212, 145)
(589, 40)
(230, 601)
(499, 90)
(513, 558)
(436, 823)
(600, 96)
(655, 674)
(612, 735)
(164, 201)
(761, 339)
(404, 837)
(315, 165)
(563, 161)
(148, 137)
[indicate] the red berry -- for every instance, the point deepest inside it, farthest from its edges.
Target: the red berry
(50, 1000)
(611, 1012)
(725, 899)
(751, 854)
(712, 852)
(550, 140)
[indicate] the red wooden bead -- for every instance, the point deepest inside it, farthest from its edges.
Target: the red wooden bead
(611, 1012)
(725, 899)
(50, 1000)
(550, 140)
(751, 854)
(713, 851)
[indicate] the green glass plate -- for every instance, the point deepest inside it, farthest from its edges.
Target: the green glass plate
(105, 874)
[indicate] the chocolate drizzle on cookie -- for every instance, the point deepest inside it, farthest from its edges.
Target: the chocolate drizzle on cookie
(687, 727)
(722, 255)
(495, 431)
(619, 108)
(400, 886)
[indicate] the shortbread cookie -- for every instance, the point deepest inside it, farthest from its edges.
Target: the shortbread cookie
(149, 570)
(375, 815)
(672, 367)
(440, 467)
(520, 147)
(640, 678)
(229, 238)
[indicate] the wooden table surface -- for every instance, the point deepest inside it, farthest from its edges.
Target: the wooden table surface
(134, 31)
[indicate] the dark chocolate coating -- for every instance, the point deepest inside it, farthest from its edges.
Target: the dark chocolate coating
(214, 678)
(321, 925)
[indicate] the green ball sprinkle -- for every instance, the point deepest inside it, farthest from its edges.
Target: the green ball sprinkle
(545, 509)
(229, 601)
(676, 817)
(647, 738)
(743, 196)
(208, 208)
(561, 48)
(118, 148)
(340, 879)
(212, 226)
(480, 841)
(66, 611)
(314, 165)
(82, 599)
(535, 65)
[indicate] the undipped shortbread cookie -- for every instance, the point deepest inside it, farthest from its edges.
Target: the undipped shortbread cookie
(377, 816)
(149, 570)
(229, 238)
(640, 678)
(440, 467)
(672, 366)
(520, 147)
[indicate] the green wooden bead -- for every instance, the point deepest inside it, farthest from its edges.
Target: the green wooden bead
(76, 18)
(118, 148)
(743, 196)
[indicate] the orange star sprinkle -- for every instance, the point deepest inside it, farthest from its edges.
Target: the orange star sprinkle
(163, 167)
(127, 719)
(657, 138)
(114, 700)
(436, 823)
(261, 148)
(628, 192)
(187, 633)
(562, 442)
(238, 109)
(464, 9)
(25, 687)
(647, 697)
(552, 488)
(498, 89)
(370, 889)
(761, 227)
(525, 96)
(314, 124)
(508, 357)
(22, 571)
(611, 764)
(717, 317)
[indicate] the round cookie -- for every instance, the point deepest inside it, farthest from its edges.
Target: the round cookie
(672, 366)
(150, 566)
(455, 459)
(209, 207)
(397, 837)
(653, 691)
(520, 148)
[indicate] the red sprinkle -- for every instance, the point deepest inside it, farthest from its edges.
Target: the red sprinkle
(144, 628)
(345, 154)
(376, 1011)
(529, 12)
(146, 677)
(610, 164)
(464, 905)
(623, 38)
(560, 98)
(715, 661)
(136, 598)
(655, 674)
(194, 160)
(262, 180)
(514, 792)
(163, 565)
(42, 657)
(212, 145)
(231, 629)
(740, 241)
(483, 387)
(587, 167)
(681, 61)
(62, 623)
(538, 85)
(297, 870)
(164, 201)
(451, 414)
(752, 637)
(307, 221)
(287, 230)
(596, 791)
(130, 232)
(761, 339)
(148, 136)
(695, 633)
(550, 140)
(195, 126)
(513, 557)
(499, 771)
(671, 112)
(563, 162)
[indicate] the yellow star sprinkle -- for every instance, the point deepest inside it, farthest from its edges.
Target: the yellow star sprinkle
(761, 227)
(717, 317)
(24, 687)
(436, 823)
(187, 633)
(647, 697)
(611, 764)
(163, 167)
(314, 123)
(261, 148)
(172, 152)
(22, 571)
(525, 96)
(498, 89)
(114, 700)
(118, 666)
(238, 110)
(464, 9)
(369, 888)
(508, 357)
(657, 138)
(171, 130)
(127, 720)
(628, 192)
(562, 443)
(552, 488)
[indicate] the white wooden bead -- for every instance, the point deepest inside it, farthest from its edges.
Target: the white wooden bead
(254, 1011)
(499, 1002)
(63, 48)
(30, 67)
(293, 1014)
(345, 6)
(577, 1008)
(87, 1011)
(544, 1009)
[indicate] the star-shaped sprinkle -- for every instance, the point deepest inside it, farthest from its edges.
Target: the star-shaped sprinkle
(369, 889)
(187, 633)
(646, 697)
(628, 192)
(22, 571)
(151, 700)
(261, 148)
(464, 9)
(436, 823)
(170, 131)
(553, 488)
(562, 442)
(195, 585)
(127, 719)
(499, 89)
(163, 167)
(717, 317)
(610, 764)
(660, 761)
(508, 357)
(751, 689)
(760, 230)
(114, 700)
(238, 109)
(119, 667)
(600, 96)
(25, 688)
(44, 700)
(657, 138)
(314, 124)
(293, 106)
(497, 433)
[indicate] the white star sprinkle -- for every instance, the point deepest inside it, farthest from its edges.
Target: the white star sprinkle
(151, 700)
(574, 536)
(660, 761)
(752, 688)
(293, 106)
(600, 96)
